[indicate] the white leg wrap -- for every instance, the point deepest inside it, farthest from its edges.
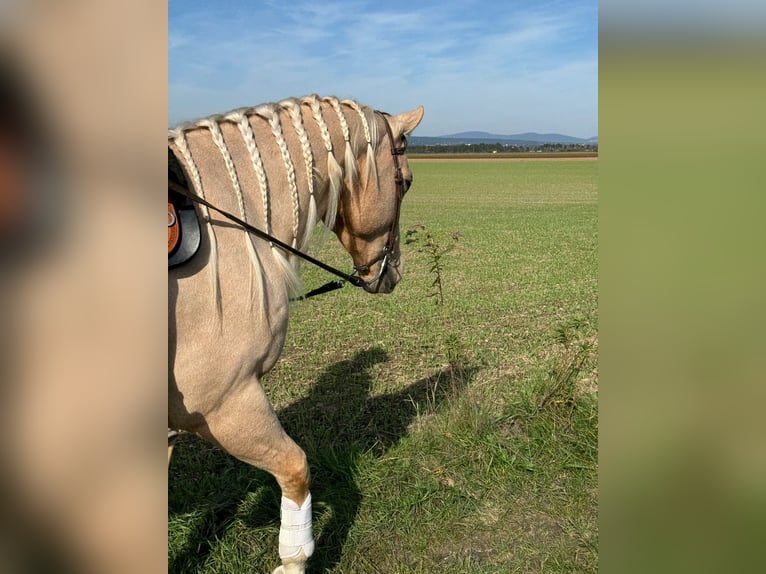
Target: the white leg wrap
(295, 533)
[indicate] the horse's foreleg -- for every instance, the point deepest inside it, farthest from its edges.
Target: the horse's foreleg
(246, 427)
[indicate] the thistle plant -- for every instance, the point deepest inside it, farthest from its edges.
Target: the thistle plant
(436, 251)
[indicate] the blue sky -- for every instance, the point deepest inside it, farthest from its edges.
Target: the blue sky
(502, 66)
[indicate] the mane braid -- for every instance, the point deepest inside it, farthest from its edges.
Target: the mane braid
(349, 161)
(270, 113)
(256, 271)
(293, 108)
(178, 137)
(247, 133)
(276, 128)
(334, 171)
(370, 135)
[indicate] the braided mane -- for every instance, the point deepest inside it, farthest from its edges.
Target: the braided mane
(357, 126)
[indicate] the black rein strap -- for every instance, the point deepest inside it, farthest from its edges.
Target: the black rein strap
(356, 281)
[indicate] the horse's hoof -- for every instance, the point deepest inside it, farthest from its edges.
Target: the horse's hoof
(293, 568)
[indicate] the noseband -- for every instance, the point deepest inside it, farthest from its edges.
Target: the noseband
(388, 250)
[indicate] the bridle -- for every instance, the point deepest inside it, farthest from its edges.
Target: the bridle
(354, 278)
(388, 249)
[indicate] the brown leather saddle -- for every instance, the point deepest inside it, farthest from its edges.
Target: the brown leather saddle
(183, 223)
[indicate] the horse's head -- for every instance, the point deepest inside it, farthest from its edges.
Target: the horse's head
(367, 223)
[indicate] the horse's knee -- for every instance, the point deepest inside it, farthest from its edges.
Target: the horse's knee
(294, 481)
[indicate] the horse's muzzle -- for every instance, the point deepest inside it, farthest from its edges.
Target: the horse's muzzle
(387, 280)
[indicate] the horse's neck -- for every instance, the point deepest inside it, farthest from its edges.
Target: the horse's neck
(280, 167)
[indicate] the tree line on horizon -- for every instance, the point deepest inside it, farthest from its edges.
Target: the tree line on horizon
(501, 148)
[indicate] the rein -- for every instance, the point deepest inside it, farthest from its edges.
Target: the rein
(354, 279)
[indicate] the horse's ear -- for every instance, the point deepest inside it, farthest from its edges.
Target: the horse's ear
(405, 123)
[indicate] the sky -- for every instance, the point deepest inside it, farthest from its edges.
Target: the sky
(504, 66)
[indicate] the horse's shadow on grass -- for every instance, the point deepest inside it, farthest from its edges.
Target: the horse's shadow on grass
(336, 424)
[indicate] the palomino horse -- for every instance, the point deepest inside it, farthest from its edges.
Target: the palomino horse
(282, 168)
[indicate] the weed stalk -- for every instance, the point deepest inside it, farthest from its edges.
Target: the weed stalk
(574, 355)
(436, 252)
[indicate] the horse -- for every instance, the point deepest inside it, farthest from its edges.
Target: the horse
(281, 168)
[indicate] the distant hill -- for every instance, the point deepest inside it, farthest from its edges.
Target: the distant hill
(477, 137)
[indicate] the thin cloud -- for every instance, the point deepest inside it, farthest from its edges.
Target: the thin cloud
(449, 56)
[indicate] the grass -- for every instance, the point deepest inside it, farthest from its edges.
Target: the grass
(412, 472)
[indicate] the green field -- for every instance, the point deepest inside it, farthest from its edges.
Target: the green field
(452, 437)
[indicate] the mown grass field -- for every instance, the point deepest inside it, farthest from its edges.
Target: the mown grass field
(454, 438)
